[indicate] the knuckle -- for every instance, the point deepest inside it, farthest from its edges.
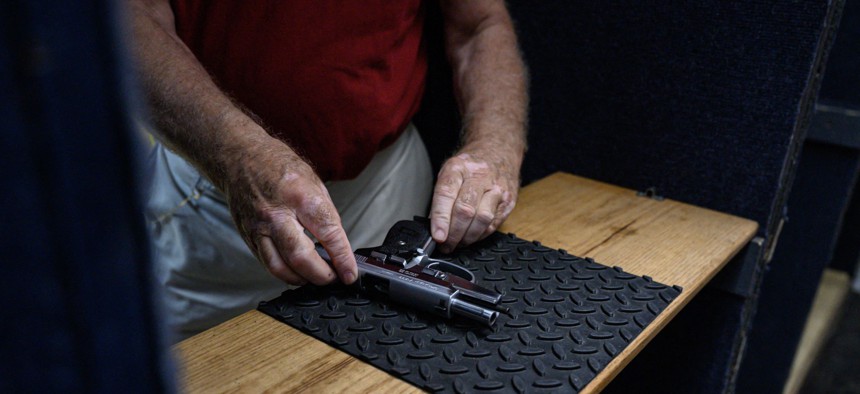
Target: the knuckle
(323, 216)
(258, 223)
(485, 218)
(440, 208)
(447, 185)
(280, 272)
(463, 209)
(446, 190)
(289, 240)
(329, 234)
(263, 220)
(469, 196)
(306, 199)
(455, 164)
(440, 218)
(509, 207)
(251, 231)
(299, 259)
(309, 202)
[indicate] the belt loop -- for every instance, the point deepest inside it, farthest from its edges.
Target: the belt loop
(205, 186)
(197, 191)
(190, 199)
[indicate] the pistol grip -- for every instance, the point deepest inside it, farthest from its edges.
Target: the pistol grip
(408, 236)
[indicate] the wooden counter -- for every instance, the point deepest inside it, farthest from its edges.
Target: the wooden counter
(675, 243)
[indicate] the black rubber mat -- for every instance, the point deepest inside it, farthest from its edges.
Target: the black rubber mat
(570, 317)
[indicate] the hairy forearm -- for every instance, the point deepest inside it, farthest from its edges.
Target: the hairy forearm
(477, 189)
(490, 80)
(192, 115)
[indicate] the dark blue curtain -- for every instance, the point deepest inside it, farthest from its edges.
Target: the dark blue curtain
(78, 313)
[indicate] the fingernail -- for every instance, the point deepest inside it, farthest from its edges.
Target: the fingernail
(439, 234)
(348, 277)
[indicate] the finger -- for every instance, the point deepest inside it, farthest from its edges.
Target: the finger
(506, 206)
(275, 264)
(464, 210)
(298, 251)
(444, 194)
(484, 217)
(324, 223)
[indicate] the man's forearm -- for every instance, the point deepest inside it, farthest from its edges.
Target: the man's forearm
(489, 76)
(192, 115)
(272, 194)
(477, 189)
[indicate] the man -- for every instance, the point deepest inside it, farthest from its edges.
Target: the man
(269, 99)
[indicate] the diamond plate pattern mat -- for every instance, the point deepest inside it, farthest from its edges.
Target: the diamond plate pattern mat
(569, 317)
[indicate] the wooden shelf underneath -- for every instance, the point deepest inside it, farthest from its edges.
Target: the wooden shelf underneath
(675, 243)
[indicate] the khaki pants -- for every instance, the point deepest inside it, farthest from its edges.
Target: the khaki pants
(209, 275)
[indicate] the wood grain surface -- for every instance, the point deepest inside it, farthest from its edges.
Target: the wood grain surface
(674, 243)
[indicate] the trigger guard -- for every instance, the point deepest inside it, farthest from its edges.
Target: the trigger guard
(452, 269)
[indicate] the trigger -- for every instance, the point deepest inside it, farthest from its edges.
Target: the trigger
(435, 273)
(451, 268)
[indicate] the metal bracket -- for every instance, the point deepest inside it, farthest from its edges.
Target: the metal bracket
(738, 276)
(651, 193)
(771, 247)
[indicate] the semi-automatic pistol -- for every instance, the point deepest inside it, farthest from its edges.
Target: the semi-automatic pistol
(401, 270)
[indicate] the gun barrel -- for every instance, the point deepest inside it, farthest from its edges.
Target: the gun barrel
(474, 312)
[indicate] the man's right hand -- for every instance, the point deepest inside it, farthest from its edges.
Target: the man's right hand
(274, 196)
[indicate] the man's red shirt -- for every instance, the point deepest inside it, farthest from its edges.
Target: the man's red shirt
(337, 80)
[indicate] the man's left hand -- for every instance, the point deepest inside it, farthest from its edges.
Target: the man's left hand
(475, 193)
(477, 188)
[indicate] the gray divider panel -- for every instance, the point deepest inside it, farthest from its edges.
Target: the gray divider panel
(569, 317)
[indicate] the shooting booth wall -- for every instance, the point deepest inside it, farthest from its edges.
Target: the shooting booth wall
(823, 209)
(706, 103)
